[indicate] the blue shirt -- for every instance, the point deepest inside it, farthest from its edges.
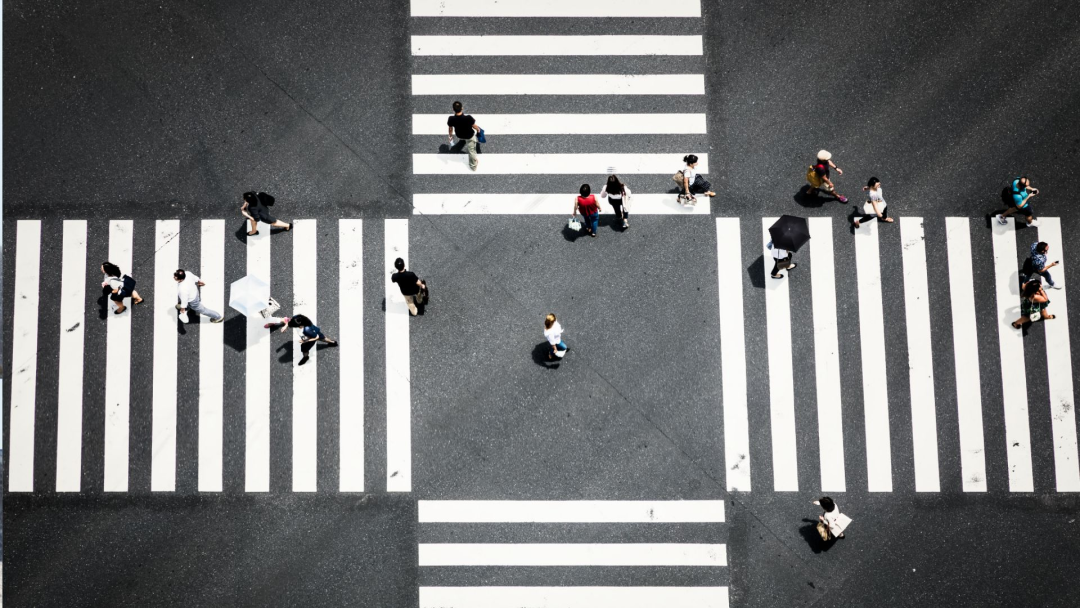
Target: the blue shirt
(1038, 260)
(1019, 194)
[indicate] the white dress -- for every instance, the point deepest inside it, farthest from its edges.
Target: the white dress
(837, 521)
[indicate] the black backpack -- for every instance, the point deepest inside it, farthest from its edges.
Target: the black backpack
(129, 285)
(1008, 191)
(265, 199)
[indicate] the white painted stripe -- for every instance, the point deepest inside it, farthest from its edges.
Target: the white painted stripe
(571, 124)
(163, 442)
(548, 204)
(573, 597)
(554, 164)
(351, 353)
(556, 8)
(558, 84)
(920, 355)
(536, 46)
(872, 343)
(781, 382)
(305, 380)
(211, 357)
(966, 355)
(827, 356)
(1059, 367)
(257, 396)
(1011, 349)
(69, 410)
(118, 366)
(571, 511)
(24, 341)
(571, 554)
(729, 276)
(398, 396)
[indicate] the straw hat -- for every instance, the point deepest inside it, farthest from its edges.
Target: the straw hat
(824, 155)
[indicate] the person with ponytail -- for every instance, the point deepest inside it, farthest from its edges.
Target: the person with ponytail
(694, 182)
(618, 194)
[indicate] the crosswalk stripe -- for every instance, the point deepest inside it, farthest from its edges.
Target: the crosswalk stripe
(781, 381)
(211, 357)
(572, 554)
(556, 8)
(24, 341)
(351, 354)
(163, 438)
(257, 380)
(558, 84)
(1059, 369)
(872, 343)
(570, 511)
(547, 204)
(920, 355)
(827, 356)
(733, 354)
(507, 46)
(305, 379)
(573, 597)
(118, 367)
(554, 164)
(69, 410)
(966, 355)
(398, 386)
(570, 124)
(1011, 349)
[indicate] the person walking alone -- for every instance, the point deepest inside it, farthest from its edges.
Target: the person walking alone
(553, 335)
(255, 210)
(409, 283)
(875, 204)
(589, 208)
(187, 292)
(1019, 191)
(781, 261)
(818, 176)
(1039, 265)
(465, 128)
(118, 287)
(692, 181)
(831, 523)
(618, 194)
(1033, 303)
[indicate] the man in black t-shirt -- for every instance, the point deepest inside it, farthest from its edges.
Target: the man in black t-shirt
(409, 284)
(465, 128)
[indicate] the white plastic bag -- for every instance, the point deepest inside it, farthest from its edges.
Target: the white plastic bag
(573, 224)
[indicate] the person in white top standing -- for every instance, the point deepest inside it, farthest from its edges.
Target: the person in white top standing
(875, 204)
(618, 194)
(187, 292)
(553, 334)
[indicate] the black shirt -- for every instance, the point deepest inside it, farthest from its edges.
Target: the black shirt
(407, 282)
(462, 126)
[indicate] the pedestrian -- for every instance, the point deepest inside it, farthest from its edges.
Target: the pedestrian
(553, 335)
(255, 210)
(296, 321)
(1033, 303)
(410, 285)
(310, 335)
(586, 204)
(692, 182)
(1039, 265)
(831, 523)
(618, 194)
(465, 128)
(118, 287)
(818, 176)
(187, 292)
(875, 204)
(781, 260)
(1019, 193)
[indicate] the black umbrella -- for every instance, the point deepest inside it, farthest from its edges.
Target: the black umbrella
(790, 232)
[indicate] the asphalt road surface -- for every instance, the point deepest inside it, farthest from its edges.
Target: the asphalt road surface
(441, 460)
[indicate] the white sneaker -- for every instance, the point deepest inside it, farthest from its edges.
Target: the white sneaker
(1001, 219)
(1034, 223)
(1055, 287)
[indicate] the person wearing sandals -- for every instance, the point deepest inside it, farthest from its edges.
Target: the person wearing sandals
(618, 194)
(875, 204)
(818, 176)
(255, 211)
(781, 261)
(588, 207)
(553, 335)
(832, 521)
(1033, 303)
(118, 287)
(694, 182)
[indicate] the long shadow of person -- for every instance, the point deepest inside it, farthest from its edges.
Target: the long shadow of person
(805, 199)
(757, 272)
(103, 303)
(540, 356)
(810, 534)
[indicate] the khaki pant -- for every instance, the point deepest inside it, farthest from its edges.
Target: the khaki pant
(470, 147)
(410, 301)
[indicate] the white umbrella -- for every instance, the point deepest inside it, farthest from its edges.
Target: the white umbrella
(250, 295)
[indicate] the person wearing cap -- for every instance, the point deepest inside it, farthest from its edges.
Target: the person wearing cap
(818, 176)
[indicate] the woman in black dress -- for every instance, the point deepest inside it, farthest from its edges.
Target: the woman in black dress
(255, 211)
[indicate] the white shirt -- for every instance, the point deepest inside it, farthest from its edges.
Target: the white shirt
(554, 335)
(836, 521)
(689, 173)
(187, 290)
(114, 282)
(779, 253)
(876, 196)
(615, 195)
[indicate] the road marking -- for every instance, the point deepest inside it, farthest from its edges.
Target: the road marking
(547, 204)
(398, 387)
(554, 164)
(535, 46)
(558, 84)
(351, 353)
(24, 346)
(872, 332)
(1059, 367)
(1011, 349)
(69, 403)
(572, 554)
(211, 357)
(573, 597)
(570, 124)
(305, 378)
(118, 367)
(827, 356)
(966, 355)
(556, 8)
(163, 442)
(920, 355)
(571, 511)
(781, 382)
(732, 354)
(257, 367)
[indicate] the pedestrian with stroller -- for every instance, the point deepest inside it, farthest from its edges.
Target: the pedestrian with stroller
(187, 294)
(691, 182)
(118, 286)
(553, 335)
(586, 204)
(818, 176)
(875, 204)
(1033, 303)
(255, 209)
(831, 523)
(1019, 193)
(618, 194)
(411, 286)
(1039, 265)
(465, 128)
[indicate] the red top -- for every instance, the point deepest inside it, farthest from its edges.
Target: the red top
(587, 205)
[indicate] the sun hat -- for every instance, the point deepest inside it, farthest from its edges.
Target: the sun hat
(824, 155)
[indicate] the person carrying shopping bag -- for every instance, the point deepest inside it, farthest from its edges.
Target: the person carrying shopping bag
(588, 207)
(691, 182)
(831, 523)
